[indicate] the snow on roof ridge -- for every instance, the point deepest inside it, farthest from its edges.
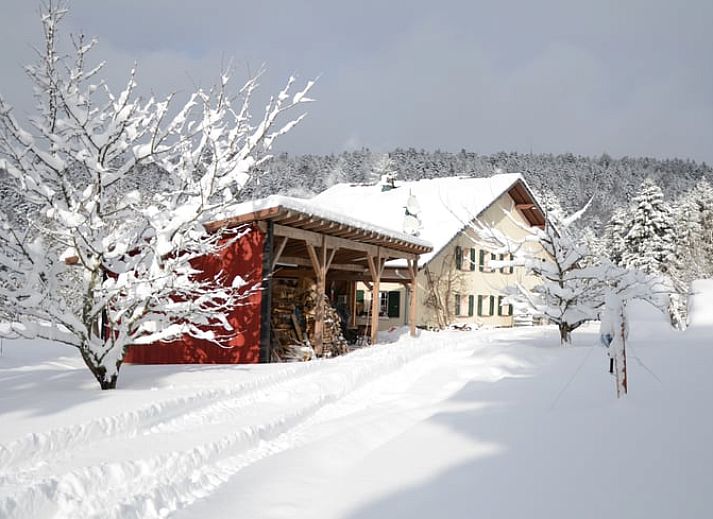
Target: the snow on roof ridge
(402, 183)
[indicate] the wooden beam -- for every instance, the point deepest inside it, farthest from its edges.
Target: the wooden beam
(524, 206)
(298, 234)
(376, 267)
(372, 267)
(319, 308)
(413, 271)
(262, 214)
(334, 242)
(278, 251)
(304, 262)
(314, 259)
(331, 257)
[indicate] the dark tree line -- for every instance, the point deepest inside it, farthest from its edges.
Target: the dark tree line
(573, 179)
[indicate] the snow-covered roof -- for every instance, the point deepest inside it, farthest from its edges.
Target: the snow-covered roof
(274, 205)
(446, 204)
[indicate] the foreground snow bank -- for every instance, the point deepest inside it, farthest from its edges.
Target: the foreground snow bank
(700, 304)
(498, 423)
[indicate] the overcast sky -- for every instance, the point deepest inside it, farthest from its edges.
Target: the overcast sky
(626, 77)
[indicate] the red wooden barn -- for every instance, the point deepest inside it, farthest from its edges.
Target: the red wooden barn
(290, 239)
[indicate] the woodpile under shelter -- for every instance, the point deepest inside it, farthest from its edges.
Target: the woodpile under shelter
(307, 261)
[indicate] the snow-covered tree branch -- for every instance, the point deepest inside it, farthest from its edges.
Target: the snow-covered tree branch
(100, 266)
(572, 283)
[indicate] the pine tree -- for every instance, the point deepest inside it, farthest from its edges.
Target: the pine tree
(550, 202)
(650, 242)
(694, 232)
(614, 234)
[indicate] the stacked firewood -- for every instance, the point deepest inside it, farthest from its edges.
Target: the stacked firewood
(293, 324)
(333, 340)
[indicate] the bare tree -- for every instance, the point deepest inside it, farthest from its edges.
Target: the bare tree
(572, 281)
(441, 286)
(132, 252)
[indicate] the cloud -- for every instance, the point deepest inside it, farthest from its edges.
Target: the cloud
(627, 78)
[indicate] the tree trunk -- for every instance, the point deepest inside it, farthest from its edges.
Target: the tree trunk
(100, 371)
(565, 334)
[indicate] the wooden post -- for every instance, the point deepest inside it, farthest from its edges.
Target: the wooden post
(619, 346)
(318, 263)
(353, 303)
(413, 271)
(266, 302)
(614, 331)
(376, 268)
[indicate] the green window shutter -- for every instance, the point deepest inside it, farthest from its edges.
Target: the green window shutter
(471, 304)
(509, 309)
(481, 261)
(472, 259)
(394, 304)
(480, 306)
(360, 296)
(457, 304)
(492, 305)
(459, 257)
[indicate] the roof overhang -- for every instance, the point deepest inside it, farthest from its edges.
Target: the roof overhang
(527, 204)
(295, 218)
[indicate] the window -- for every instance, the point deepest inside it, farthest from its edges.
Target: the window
(508, 269)
(486, 306)
(471, 304)
(394, 304)
(504, 309)
(360, 296)
(390, 303)
(383, 303)
(459, 257)
(457, 304)
(472, 259)
(482, 265)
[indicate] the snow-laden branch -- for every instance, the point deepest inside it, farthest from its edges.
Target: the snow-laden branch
(103, 265)
(571, 281)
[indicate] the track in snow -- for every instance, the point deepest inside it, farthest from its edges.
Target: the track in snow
(59, 473)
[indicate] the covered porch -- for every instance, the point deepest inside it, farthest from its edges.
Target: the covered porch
(329, 253)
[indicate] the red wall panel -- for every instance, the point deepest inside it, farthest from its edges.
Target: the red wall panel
(243, 258)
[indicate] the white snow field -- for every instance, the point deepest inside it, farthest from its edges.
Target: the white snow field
(490, 423)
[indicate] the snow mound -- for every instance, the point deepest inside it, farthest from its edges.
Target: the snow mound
(648, 322)
(700, 304)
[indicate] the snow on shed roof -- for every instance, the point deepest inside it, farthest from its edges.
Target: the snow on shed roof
(447, 204)
(263, 209)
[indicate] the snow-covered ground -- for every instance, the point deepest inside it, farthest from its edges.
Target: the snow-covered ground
(495, 423)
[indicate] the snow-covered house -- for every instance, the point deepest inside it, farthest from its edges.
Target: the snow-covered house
(455, 283)
(352, 241)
